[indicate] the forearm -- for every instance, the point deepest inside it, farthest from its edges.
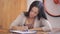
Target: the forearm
(41, 29)
(46, 29)
(37, 29)
(18, 28)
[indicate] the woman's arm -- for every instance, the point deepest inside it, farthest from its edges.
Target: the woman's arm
(19, 28)
(37, 29)
(17, 22)
(47, 25)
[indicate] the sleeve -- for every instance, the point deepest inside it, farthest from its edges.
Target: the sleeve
(47, 25)
(17, 21)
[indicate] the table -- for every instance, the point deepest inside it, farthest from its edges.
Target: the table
(6, 31)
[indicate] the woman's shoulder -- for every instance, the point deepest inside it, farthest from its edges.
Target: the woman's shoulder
(43, 19)
(21, 14)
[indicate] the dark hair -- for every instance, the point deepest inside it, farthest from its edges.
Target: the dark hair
(40, 7)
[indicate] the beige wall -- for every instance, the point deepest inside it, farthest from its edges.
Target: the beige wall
(54, 9)
(9, 10)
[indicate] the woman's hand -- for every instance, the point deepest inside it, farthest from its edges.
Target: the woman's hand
(37, 29)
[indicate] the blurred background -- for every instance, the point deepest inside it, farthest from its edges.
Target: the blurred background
(10, 9)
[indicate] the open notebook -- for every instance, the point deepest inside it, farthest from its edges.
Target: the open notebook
(23, 32)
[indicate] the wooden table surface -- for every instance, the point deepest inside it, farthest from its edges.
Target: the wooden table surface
(5, 31)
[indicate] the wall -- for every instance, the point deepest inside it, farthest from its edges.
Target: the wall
(9, 10)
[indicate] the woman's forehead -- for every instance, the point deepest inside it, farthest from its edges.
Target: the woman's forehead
(35, 8)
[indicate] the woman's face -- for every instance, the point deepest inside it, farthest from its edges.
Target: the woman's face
(33, 12)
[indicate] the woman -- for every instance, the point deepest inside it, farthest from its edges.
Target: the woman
(34, 18)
